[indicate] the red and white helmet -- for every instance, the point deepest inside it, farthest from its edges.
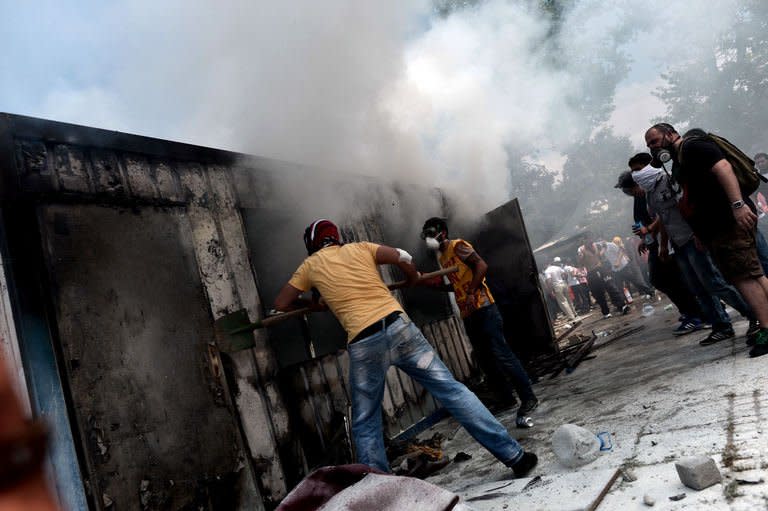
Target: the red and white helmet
(319, 234)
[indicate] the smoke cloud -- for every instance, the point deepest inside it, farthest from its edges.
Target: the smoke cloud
(387, 89)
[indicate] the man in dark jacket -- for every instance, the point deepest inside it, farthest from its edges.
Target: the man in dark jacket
(719, 213)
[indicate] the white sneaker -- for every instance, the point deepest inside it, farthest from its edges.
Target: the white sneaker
(609, 315)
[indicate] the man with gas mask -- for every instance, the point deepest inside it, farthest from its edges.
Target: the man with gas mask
(381, 335)
(695, 265)
(481, 316)
(720, 215)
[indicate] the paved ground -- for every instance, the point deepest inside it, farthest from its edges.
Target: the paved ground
(661, 398)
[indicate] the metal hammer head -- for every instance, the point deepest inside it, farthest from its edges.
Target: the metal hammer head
(234, 331)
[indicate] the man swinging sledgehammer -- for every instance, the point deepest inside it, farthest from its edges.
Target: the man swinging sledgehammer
(379, 335)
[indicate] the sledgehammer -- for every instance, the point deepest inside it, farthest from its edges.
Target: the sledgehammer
(233, 331)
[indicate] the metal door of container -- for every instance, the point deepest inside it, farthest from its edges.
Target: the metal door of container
(134, 327)
(502, 241)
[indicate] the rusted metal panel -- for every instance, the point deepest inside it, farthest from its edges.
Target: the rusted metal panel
(258, 406)
(135, 352)
(107, 174)
(71, 170)
(36, 172)
(333, 373)
(80, 163)
(166, 180)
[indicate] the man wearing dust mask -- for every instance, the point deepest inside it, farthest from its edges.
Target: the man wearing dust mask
(481, 316)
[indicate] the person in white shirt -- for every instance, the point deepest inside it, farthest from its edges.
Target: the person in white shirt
(577, 281)
(557, 277)
(623, 272)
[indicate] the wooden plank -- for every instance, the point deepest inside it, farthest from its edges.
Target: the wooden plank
(321, 394)
(335, 382)
(445, 338)
(464, 363)
(466, 345)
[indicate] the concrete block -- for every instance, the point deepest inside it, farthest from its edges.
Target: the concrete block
(698, 472)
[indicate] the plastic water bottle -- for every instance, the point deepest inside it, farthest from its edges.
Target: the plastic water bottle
(648, 238)
(648, 310)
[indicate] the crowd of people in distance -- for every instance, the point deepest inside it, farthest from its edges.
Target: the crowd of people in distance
(601, 271)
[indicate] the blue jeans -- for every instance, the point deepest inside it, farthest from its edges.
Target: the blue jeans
(403, 345)
(706, 282)
(485, 329)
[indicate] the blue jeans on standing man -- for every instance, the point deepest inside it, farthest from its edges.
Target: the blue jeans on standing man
(709, 286)
(485, 328)
(403, 345)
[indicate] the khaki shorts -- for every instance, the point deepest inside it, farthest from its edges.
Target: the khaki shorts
(735, 254)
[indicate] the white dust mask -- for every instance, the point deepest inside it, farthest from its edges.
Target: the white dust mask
(432, 243)
(646, 177)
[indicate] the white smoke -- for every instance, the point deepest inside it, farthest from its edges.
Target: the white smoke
(388, 89)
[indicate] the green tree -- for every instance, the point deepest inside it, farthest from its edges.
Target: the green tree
(726, 91)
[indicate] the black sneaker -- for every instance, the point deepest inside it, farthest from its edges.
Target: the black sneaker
(525, 464)
(754, 327)
(625, 310)
(761, 344)
(717, 336)
(690, 325)
(527, 407)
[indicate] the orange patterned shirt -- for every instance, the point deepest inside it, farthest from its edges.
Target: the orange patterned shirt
(455, 254)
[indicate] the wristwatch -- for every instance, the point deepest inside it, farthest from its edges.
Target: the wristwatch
(738, 204)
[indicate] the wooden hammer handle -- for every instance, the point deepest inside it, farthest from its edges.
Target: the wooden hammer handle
(277, 318)
(424, 276)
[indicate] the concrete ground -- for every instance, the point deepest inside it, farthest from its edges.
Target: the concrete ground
(662, 398)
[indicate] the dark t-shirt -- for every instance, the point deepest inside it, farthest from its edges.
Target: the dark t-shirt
(705, 204)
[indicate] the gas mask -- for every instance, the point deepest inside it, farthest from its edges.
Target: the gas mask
(661, 155)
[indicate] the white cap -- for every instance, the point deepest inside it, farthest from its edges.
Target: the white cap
(556, 259)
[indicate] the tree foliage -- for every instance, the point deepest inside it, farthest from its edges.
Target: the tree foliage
(726, 90)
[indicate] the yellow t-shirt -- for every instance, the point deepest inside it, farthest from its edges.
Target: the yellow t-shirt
(348, 279)
(455, 254)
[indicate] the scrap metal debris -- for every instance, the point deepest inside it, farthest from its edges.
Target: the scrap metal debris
(536, 481)
(419, 458)
(747, 481)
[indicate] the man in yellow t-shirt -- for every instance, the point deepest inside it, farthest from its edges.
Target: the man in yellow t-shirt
(482, 319)
(380, 335)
